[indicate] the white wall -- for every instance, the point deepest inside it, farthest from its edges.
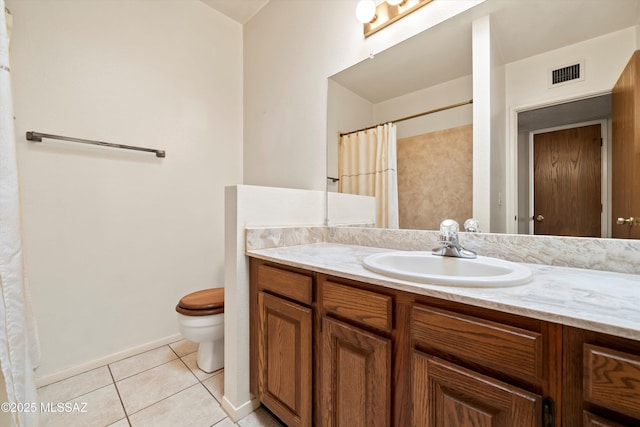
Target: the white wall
(481, 30)
(498, 139)
(427, 99)
(604, 58)
(114, 238)
(350, 209)
(290, 49)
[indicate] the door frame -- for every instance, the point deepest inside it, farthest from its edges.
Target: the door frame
(511, 196)
(605, 198)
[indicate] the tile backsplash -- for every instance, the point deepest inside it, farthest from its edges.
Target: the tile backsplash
(616, 255)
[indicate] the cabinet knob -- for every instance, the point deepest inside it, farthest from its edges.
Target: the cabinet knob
(539, 218)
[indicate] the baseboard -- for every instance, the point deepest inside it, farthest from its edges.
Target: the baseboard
(236, 413)
(67, 373)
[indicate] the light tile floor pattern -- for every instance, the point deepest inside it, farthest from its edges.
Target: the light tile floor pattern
(161, 387)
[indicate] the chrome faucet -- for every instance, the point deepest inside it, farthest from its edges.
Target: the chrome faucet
(449, 243)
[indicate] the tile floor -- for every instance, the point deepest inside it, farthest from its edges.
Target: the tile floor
(161, 387)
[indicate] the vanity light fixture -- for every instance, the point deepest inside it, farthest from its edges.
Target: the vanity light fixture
(366, 11)
(377, 17)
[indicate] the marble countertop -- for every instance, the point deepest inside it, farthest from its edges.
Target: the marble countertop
(595, 300)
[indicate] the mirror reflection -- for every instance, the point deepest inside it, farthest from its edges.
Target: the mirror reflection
(543, 179)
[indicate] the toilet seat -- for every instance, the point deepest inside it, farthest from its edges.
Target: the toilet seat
(202, 303)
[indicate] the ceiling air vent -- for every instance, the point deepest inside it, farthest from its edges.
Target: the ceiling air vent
(569, 74)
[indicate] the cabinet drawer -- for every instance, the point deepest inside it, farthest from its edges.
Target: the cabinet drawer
(286, 283)
(590, 420)
(364, 307)
(612, 379)
(517, 352)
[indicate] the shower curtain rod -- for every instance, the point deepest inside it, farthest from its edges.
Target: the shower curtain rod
(37, 137)
(448, 107)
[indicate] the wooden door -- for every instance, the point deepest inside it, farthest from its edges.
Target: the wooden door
(356, 377)
(625, 152)
(567, 182)
(284, 360)
(446, 395)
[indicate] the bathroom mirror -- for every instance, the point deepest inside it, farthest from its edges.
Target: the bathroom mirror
(434, 70)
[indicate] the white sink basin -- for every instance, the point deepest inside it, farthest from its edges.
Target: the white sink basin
(424, 267)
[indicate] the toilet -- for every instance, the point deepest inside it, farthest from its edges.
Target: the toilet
(201, 319)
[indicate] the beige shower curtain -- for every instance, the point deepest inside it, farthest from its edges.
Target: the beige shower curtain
(367, 166)
(19, 350)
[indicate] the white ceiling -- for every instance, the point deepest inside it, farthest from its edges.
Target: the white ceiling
(522, 28)
(238, 10)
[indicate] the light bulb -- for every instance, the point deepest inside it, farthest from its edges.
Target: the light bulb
(366, 11)
(394, 2)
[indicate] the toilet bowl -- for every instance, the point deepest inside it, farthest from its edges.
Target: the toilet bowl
(201, 319)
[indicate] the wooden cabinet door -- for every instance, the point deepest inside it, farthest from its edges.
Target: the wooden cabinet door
(446, 395)
(356, 377)
(284, 359)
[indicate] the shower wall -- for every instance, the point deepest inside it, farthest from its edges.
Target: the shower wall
(435, 178)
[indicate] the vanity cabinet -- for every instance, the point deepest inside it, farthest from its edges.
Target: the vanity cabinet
(355, 379)
(329, 351)
(282, 333)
